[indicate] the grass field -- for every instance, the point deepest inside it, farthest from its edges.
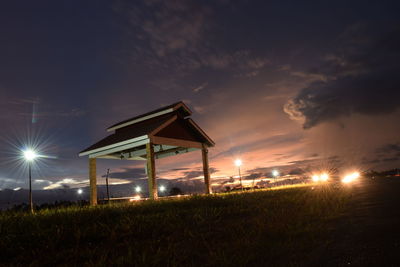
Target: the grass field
(277, 227)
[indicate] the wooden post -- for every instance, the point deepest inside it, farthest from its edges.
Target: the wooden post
(108, 191)
(206, 169)
(151, 171)
(93, 183)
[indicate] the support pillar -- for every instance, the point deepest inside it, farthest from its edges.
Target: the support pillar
(93, 182)
(206, 169)
(151, 171)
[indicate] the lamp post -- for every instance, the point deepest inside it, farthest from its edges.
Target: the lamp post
(108, 192)
(30, 156)
(275, 173)
(238, 163)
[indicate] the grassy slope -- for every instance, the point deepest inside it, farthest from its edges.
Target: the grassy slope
(278, 227)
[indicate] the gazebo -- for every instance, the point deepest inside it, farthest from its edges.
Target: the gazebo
(163, 132)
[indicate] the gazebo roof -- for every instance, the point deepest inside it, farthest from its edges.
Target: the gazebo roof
(178, 107)
(168, 127)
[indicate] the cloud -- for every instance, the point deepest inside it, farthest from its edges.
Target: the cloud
(271, 141)
(197, 173)
(391, 159)
(361, 77)
(389, 148)
(296, 171)
(166, 27)
(128, 173)
(64, 183)
(299, 167)
(179, 37)
(180, 169)
(199, 88)
(253, 176)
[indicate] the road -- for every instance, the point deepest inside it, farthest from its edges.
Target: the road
(369, 232)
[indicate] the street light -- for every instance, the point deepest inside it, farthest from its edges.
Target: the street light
(80, 191)
(275, 173)
(162, 188)
(138, 189)
(351, 177)
(30, 156)
(238, 163)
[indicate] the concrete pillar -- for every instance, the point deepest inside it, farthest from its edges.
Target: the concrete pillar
(206, 169)
(93, 182)
(151, 171)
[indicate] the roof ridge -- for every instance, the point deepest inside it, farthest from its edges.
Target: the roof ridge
(154, 113)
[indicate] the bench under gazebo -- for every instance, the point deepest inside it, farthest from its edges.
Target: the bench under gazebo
(163, 132)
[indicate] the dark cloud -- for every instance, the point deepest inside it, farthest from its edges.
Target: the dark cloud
(253, 176)
(296, 171)
(128, 173)
(193, 174)
(197, 173)
(362, 77)
(389, 148)
(370, 161)
(180, 169)
(300, 167)
(391, 159)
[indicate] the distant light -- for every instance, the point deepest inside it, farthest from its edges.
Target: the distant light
(324, 177)
(275, 173)
(135, 198)
(238, 162)
(79, 191)
(138, 189)
(162, 188)
(315, 178)
(351, 177)
(17, 189)
(29, 154)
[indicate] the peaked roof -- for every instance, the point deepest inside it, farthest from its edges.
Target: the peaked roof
(178, 106)
(149, 124)
(140, 129)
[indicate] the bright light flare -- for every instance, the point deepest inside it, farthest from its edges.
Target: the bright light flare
(29, 154)
(275, 173)
(135, 198)
(162, 188)
(238, 162)
(80, 191)
(324, 177)
(351, 177)
(138, 189)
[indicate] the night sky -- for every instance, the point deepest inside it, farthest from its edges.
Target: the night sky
(290, 85)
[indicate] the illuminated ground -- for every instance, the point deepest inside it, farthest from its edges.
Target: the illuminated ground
(322, 225)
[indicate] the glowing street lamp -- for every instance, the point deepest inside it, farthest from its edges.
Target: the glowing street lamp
(80, 191)
(238, 163)
(351, 177)
(315, 178)
(162, 188)
(30, 156)
(324, 177)
(138, 189)
(275, 173)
